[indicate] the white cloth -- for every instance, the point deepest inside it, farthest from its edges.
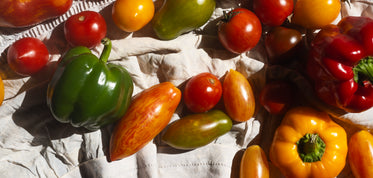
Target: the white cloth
(34, 144)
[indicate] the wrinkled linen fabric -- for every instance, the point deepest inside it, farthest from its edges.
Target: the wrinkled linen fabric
(34, 144)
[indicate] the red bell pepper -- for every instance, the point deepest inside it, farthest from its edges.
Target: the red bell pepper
(341, 64)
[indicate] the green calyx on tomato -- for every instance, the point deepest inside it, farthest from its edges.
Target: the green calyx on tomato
(86, 91)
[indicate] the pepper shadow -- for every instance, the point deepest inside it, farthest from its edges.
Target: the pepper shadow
(35, 117)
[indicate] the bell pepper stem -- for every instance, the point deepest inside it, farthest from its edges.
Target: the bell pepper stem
(106, 51)
(311, 148)
(363, 71)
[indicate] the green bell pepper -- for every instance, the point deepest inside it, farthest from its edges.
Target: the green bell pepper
(89, 92)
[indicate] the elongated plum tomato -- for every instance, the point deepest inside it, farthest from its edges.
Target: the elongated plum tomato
(315, 14)
(273, 12)
(27, 56)
(149, 113)
(202, 92)
(254, 163)
(238, 96)
(360, 154)
(86, 28)
(130, 15)
(240, 30)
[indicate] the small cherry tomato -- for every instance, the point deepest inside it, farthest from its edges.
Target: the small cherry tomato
(277, 96)
(86, 28)
(360, 154)
(131, 15)
(240, 30)
(27, 56)
(254, 163)
(281, 44)
(315, 14)
(202, 92)
(238, 96)
(273, 12)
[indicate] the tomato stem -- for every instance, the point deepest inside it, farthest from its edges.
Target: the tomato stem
(364, 71)
(106, 51)
(311, 148)
(228, 16)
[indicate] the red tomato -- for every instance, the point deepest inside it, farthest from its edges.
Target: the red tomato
(273, 12)
(240, 30)
(86, 28)
(281, 44)
(202, 92)
(27, 56)
(277, 96)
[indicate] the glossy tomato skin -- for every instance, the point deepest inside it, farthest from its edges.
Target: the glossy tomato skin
(149, 113)
(27, 56)
(197, 130)
(360, 154)
(240, 30)
(277, 96)
(273, 12)
(131, 16)
(202, 92)
(315, 14)
(86, 28)
(238, 96)
(254, 163)
(281, 44)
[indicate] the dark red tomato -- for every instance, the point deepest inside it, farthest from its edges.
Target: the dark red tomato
(273, 12)
(202, 92)
(86, 28)
(240, 30)
(281, 44)
(277, 96)
(27, 56)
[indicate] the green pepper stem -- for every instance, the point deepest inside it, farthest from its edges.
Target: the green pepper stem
(311, 148)
(364, 70)
(106, 51)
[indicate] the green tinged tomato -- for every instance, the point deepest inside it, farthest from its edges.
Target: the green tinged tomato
(176, 17)
(87, 91)
(197, 130)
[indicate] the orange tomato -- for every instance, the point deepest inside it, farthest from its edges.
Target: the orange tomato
(238, 96)
(149, 113)
(1, 91)
(315, 14)
(254, 163)
(132, 15)
(360, 154)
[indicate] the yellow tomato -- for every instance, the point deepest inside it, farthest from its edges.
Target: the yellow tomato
(315, 14)
(1, 91)
(132, 15)
(254, 163)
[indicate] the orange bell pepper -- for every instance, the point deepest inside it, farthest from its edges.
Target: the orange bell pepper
(22, 13)
(308, 143)
(360, 154)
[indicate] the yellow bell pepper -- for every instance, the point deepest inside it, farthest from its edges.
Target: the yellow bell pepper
(308, 143)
